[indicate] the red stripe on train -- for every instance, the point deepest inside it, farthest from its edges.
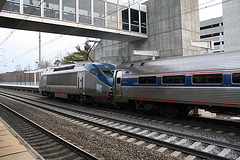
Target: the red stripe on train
(167, 100)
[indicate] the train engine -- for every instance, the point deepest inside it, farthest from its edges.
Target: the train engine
(86, 82)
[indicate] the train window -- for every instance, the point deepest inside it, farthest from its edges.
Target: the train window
(236, 78)
(107, 72)
(94, 71)
(147, 80)
(180, 79)
(208, 78)
(118, 80)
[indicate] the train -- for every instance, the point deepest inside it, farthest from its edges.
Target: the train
(171, 86)
(84, 82)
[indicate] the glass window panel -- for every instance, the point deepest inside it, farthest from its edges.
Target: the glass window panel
(180, 79)
(32, 7)
(112, 24)
(13, 6)
(85, 19)
(208, 78)
(51, 8)
(236, 78)
(69, 10)
(69, 6)
(125, 15)
(134, 20)
(51, 4)
(99, 21)
(32, 2)
(69, 16)
(84, 7)
(147, 80)
(124, 18)
(143, 22)
(111, 12)
(98, 9)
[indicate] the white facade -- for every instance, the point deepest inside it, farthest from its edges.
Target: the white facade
(213, 30)
(103, 13)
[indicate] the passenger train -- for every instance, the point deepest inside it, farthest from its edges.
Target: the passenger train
(90, 82)
(171, 86)
(209, 81)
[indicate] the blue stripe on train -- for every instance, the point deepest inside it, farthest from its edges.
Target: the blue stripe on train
(227, 82)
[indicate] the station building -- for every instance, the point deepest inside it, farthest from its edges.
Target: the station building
(116, 14)
(213, 30)
(223, 31)
(171, 25)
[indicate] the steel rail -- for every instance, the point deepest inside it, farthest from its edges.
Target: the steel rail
(161, 143)
(61, 140)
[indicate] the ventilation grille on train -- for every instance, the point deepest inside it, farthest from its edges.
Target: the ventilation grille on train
(63, 68)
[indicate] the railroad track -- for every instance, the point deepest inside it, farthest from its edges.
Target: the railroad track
(193, 145)
(44, 142)
(232, 127)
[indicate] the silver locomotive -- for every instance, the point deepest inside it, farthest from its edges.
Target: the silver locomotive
(86, 82)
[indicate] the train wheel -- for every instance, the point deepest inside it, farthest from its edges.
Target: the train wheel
(116, 106)
(170, 111)
(140, 107)
(183, 112)
(141, 111)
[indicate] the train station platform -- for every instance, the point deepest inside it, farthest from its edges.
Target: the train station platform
(12, 147)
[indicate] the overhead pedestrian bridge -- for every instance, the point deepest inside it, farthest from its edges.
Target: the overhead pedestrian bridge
(122, 20)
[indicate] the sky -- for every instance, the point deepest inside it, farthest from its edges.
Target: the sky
(20, 50)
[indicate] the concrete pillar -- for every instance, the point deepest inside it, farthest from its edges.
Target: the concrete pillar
(171, 25)
(231, 23)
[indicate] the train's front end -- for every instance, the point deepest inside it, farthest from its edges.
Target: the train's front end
(100, 82)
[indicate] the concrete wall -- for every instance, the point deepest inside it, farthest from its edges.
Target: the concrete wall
(171, 25)
(231, 22)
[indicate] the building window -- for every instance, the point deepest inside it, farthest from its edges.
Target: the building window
(210, 26)
(147, 80)
(69, 10)
(180, 79)
(217, 43)
(125, 19)
(112, 20)
(51, 8)
(12, 5)
(143, 22)
(134, 16)
(84, 10)
(210, 35)
(32, 7)
(134, 20)
(236, 78)
(207, 78)
(99, 12)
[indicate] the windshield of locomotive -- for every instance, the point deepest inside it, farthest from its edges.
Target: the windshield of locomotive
(107, 72)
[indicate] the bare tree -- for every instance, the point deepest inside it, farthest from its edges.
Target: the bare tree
(18, 68)
(45, 63)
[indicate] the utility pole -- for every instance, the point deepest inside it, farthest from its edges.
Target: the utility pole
(40, 51)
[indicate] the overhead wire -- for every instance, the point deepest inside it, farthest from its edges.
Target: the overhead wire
(20, 23)
(32, 49)
(130, 3)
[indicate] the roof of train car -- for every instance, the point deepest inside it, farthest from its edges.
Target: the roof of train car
(206, 62)
(76, 67)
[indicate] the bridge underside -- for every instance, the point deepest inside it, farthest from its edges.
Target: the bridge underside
(40, 24)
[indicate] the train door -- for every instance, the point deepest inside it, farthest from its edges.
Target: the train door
(81, 82)
(117, 83)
